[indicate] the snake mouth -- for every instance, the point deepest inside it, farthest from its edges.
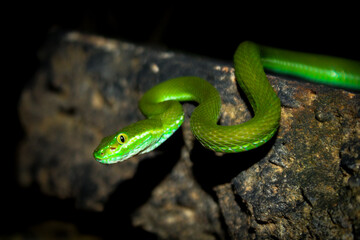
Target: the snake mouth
(110, 160)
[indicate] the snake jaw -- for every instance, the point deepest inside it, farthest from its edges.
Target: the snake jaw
(110, 160)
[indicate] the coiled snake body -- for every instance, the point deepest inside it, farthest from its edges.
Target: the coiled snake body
(161, 104)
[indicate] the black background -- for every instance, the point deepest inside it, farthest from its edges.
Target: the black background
(212, 29)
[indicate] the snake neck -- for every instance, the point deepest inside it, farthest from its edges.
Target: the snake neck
(162, 102)
(170, 119)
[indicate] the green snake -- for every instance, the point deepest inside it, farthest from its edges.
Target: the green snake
(161, 104)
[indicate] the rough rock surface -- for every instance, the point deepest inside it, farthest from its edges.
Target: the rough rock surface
(303, 184)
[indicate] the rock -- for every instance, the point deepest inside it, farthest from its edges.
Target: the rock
(301, 188)
(301, 184)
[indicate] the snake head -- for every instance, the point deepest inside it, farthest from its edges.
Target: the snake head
(122, 145)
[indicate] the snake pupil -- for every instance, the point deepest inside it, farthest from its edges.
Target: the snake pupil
(122, 139)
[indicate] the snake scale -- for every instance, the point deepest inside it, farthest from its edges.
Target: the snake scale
(161, 104)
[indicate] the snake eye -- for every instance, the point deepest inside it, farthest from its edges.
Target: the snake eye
(122, 138)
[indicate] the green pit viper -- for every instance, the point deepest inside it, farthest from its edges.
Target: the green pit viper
(161, 104)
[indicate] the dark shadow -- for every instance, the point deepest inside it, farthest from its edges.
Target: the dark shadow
(245, 99)
(38, 209)
(131, 194)
(211, 170)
